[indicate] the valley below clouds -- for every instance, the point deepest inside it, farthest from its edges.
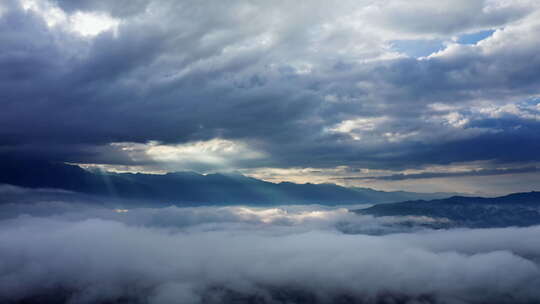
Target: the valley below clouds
(79, 252)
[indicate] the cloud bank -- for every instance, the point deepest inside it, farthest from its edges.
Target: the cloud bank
(292, 254)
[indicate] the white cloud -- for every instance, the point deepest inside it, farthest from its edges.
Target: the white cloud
(82, 23)
(357, 126)
(214, 153)
(200, 255)
(523, 111)
(91, 24)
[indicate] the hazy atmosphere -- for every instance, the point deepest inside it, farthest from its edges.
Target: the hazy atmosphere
(354, 151)
(73, 252)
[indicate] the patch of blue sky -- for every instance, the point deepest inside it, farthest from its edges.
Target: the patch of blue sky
(535, 100)
(426, 47)
(473, 38)
(418, 48)
(531, 106)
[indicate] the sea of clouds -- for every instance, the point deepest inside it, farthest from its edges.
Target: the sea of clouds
(54, 249)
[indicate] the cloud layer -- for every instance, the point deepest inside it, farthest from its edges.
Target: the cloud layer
(293, 254)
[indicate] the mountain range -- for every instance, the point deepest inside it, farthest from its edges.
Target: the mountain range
(517, 209)
(184, 188)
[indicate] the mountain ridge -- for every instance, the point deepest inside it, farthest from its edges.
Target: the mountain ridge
(187, 187)
(515, 209)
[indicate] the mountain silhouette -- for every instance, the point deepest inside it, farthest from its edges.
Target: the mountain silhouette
(182, 188)
(517, 209)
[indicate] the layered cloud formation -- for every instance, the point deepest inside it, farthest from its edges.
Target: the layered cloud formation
(296, 254)
(390, 85)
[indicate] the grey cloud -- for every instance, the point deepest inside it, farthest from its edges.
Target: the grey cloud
(224, 255)
(446, 17)
(122, 8)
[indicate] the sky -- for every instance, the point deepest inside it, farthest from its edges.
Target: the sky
(393, 95)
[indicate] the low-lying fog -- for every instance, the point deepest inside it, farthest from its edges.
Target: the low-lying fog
(54, 250)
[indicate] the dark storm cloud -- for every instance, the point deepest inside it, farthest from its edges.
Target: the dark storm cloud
(181, 72)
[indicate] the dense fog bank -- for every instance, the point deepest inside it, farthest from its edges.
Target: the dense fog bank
(78, 253)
